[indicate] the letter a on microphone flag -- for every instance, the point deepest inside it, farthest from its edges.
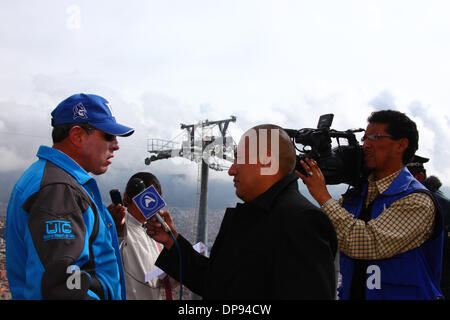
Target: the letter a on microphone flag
(149, 202)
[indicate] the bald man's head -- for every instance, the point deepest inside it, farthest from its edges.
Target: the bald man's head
(286, 150)
(265, 154)
(267, 144)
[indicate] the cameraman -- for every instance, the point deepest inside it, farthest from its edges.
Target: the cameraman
(389, 232)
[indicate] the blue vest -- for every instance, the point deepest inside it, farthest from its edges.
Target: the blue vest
(414, 274)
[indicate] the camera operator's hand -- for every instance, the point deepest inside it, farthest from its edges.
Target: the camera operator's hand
(156, 231)
(314, 181)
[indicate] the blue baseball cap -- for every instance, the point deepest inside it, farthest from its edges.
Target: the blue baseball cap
(91, 109)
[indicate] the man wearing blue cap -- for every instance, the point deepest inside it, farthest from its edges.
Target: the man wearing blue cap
(61, 241)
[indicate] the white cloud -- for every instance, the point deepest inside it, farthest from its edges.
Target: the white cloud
(10, 161)
(286, 62)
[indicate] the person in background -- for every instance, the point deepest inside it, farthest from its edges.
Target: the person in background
(415, 166)
(389, 231)
(139, 251)
(432, 183)
(61, 242)
(274, 245)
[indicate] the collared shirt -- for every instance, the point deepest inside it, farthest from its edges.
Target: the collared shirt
(405, 225)
(139, 253)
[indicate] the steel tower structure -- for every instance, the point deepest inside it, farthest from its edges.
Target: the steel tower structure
(209, 151)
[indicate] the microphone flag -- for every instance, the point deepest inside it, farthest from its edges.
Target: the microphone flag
(149, 202)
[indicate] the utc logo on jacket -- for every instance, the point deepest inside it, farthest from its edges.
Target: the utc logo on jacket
(58, 229)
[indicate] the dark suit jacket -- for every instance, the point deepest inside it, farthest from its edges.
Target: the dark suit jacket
(444, 207)
(278, 246)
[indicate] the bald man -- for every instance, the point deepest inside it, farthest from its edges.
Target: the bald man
(275, 245)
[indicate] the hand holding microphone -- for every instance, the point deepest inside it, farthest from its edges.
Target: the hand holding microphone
(117, 211)
(157, 229)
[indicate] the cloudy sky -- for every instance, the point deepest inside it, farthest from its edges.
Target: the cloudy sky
(162, 63)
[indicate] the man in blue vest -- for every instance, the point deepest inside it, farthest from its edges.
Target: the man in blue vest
(389, 231)
(61, 241)
(433, 184)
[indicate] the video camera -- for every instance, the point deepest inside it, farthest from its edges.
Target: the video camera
(342, 164)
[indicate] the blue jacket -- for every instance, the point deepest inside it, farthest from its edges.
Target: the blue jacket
(414, 274)
(61, 242)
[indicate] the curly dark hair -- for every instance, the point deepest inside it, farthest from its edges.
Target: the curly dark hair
(147, 179)
(398, 126)
(432, 183)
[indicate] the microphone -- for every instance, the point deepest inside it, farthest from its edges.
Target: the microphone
(136, 186)
(163, 223)
(116, 197)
